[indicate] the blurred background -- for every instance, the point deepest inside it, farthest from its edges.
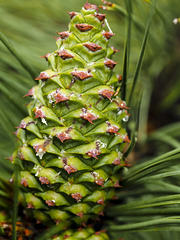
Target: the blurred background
(31, 27)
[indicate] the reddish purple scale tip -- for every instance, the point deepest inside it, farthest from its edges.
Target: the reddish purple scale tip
(50, 203)
(24, 182)
(116, 185)
(43, 76)
(10, 158)
(21, 156)
(120, 78)
(39, 113)
(66, 236)
(113, 129)
(63, 136)
(64, 54)
(92, 46)
(94, 153)
(101, 213)
(30, 93)
(115, 50)
(108, 35)
(101, 201)
(117, 162)
(72, 14)
(76, 196)
(110, 63)
(80, 214)
(46, 56)
(90, 117)
(63, 35)
(81, 75)
(100, 16)
(15, 133)
(126, 139)
(59, 97)
(106, 93)
(44, 180)
(57, 221)
(30, 206)
(121, 105)
(22, 125)
(107, 3)
(100, 181)
(99, 232)
(38, 147)
(83, 27)
(88, 6)
(70, 169)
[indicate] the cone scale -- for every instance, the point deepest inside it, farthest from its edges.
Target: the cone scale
(71, 143)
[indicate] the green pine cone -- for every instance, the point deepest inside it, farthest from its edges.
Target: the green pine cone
(71, 143)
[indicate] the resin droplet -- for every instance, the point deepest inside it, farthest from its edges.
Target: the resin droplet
(126, 118)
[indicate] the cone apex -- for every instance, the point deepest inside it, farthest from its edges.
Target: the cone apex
(89, 6)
